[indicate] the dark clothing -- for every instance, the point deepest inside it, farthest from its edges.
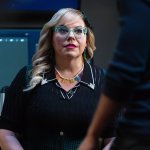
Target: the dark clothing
(48, 117)
(130, 142)
(128, 76)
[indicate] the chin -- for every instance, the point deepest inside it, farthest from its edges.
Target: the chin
(72, 56)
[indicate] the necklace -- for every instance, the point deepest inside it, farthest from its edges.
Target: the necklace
(76, 78)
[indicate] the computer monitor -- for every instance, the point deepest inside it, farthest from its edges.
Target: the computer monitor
(17, 47)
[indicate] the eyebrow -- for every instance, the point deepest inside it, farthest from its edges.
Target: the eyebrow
(68, 27)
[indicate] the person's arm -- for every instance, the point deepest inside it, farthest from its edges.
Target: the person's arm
(107, 108)
(8, 140)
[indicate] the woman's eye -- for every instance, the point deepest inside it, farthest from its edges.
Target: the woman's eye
(63, 31)
(78, 31)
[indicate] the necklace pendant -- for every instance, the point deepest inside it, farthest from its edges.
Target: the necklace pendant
(71, 80)
(76, 78)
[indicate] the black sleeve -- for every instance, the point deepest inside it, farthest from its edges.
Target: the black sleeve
(13, 108)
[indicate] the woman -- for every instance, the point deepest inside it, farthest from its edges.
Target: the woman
(55, 108)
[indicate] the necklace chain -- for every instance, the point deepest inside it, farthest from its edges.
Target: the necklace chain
(77, 77)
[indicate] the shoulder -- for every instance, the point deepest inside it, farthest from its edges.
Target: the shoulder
(99, 74)
(96, 73)
(99, 71)
(25, 72)
(21, 73)
(18, 82)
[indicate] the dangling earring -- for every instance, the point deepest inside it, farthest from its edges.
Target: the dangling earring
(84, 54)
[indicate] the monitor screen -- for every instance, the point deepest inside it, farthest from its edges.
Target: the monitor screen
(16, 50)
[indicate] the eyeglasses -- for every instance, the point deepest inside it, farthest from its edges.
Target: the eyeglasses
(78, 32)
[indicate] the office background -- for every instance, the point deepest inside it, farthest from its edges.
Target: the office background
(19, 32)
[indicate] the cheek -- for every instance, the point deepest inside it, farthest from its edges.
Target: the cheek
(83, 45)
(57, 42)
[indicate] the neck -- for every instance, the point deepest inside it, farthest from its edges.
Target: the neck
(67, 63)
(69, 68)
(76, 78)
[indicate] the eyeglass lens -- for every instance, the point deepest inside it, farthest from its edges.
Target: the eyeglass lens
(77, 31)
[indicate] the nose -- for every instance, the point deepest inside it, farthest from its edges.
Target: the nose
(71, 34)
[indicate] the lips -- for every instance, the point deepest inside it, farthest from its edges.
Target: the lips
(70, 46)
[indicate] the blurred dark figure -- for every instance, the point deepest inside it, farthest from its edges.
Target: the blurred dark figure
(127, 83)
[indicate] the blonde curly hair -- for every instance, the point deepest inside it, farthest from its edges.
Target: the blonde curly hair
(43, 60)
